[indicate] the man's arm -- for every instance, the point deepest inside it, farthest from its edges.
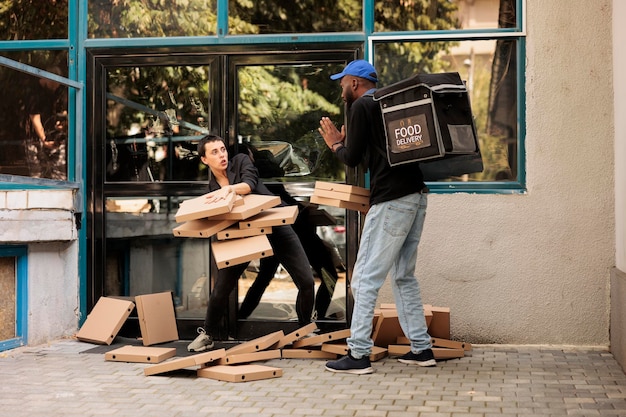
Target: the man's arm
(40, 132)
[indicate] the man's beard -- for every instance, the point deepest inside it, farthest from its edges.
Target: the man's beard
(349, 99)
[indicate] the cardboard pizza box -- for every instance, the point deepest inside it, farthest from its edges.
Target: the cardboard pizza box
(377, 354)
(237, 251)
(105, 320)
(387, 328)
(235, 232)
(252, 204)
(237, 358)
(200, 359)
(439, 353)
(240, 373)
(198, 208)
(338, 195)
(439, 325)
(321, 338)
(307, 354)
(340, 203)
(276, 216)
(157, 318)
(343, 188)
(140, 354)
(201, 227)
(255, 345)
(451, 344)
(296, 334)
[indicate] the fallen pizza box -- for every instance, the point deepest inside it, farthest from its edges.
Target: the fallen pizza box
(439, 353)
(439, 325)
(288, 339)
(140, 354)
(307, 354)
(451, 344)
(105, 320)
(157, 318)
(198, 208)
(442, 343)
(240, 373)
(258, 344)
(252, 204)
(237, 251)
(263, 355)
(200, 359)
(377, 354)
(276, 216)
(387, 328)
(237, 233)
(202, 227)
(342, 188)
(340, 203)
(321, 338)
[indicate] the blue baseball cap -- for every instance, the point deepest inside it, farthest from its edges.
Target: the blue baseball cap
(359, 68)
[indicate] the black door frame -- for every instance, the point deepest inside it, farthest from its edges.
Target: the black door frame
(224, 60)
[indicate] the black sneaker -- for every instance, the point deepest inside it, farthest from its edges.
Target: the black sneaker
(350, 365)
(424, 358)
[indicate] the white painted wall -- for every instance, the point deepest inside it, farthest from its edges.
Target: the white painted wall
(44, 221)
(535, 268)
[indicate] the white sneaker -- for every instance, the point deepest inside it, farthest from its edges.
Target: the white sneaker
(202, 342)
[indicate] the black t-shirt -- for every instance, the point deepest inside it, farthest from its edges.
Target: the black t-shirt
(365, 142)
(48, 105)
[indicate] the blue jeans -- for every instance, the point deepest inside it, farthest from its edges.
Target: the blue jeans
(391, 233)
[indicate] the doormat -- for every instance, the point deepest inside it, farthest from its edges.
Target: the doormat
(179, 345)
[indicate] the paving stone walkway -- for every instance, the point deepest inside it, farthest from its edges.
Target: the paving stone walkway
(59, 379)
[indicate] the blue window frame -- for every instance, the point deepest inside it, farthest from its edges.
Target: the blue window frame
(78, 42)
(19, 253)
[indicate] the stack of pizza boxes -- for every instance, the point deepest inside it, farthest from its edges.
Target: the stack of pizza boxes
(240, 223)
(346, 196)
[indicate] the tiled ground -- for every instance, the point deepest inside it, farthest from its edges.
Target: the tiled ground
(505, 381)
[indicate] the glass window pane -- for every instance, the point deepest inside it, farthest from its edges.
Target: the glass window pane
(143, 256)
(406, 15)
(33, 123)
(155, 116)
(490, 71)
(278, 114)
(136, 19)
(278, 111)
(289, 16)
(33, 19)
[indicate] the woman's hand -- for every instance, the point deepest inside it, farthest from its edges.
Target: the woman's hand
(220, 194)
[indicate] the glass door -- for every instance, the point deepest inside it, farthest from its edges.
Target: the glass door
(278, 102)
(150, 111)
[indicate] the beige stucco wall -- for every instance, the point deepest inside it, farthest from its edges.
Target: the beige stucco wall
(535, 268)
(618, 277)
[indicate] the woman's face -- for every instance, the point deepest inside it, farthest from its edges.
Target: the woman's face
(215, 155)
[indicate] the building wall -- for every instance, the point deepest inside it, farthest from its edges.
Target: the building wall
(44, 220)
(618, 277)
(526, 269)
(535, 268)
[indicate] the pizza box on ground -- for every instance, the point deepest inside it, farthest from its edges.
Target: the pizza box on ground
(240, 373)
(105, 320)
(157, 318)
(140, 354)
(200, 359)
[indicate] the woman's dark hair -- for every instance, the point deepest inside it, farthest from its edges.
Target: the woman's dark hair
(207, 139)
